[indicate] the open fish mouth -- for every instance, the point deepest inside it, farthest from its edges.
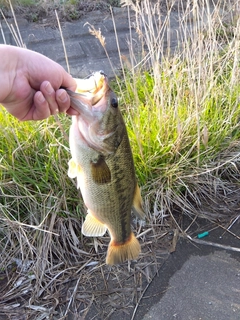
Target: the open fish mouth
(89, 92)
(96, 105)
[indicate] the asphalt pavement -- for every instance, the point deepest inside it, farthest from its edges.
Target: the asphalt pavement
(197, 281)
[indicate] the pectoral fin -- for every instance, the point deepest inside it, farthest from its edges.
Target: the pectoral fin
(100, 172)
(92, 227)
(73, 169)
(138, 204)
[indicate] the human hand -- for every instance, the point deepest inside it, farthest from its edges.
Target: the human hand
(30, 82)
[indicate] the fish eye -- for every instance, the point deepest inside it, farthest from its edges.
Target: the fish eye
(114, 103)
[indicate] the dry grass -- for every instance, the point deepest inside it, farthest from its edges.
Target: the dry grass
(48, 269)
(76, 280)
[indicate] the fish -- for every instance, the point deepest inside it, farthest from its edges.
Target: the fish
(102, 162)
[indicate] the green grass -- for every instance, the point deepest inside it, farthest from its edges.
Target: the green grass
(180, 130)
(23, 3)
(33, 164)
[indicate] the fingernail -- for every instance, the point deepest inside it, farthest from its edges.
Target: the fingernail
(49, 88)
(41, 98)
(63, 96)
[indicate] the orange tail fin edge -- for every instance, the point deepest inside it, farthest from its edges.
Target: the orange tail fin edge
(118, 253)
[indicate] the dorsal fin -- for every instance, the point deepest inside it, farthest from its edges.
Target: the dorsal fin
(138, 204)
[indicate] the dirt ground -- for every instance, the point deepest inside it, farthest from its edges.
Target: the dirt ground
(44, 12)
(68, 11)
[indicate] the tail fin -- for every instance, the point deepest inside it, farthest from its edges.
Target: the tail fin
(118, 253)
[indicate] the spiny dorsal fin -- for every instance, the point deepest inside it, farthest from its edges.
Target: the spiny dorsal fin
(92, 227)
(100, 172)
(138, 204)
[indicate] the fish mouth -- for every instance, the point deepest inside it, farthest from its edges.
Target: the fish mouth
(91, 101)
(89, 94)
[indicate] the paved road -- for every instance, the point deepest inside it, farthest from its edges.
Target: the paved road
(197, 282)
(84, 51)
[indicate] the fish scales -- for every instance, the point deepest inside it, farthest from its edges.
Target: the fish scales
(111, 202)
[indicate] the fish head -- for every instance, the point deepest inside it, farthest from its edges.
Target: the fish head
(99, 124)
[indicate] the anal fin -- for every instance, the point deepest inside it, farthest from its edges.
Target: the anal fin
(92, 227)
(138, 204)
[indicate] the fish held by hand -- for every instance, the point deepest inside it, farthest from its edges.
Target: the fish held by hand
(103, 164)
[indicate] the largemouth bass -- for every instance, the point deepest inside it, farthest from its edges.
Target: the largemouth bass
(103, 164)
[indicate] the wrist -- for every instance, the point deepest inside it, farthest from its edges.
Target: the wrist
(8, 69)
